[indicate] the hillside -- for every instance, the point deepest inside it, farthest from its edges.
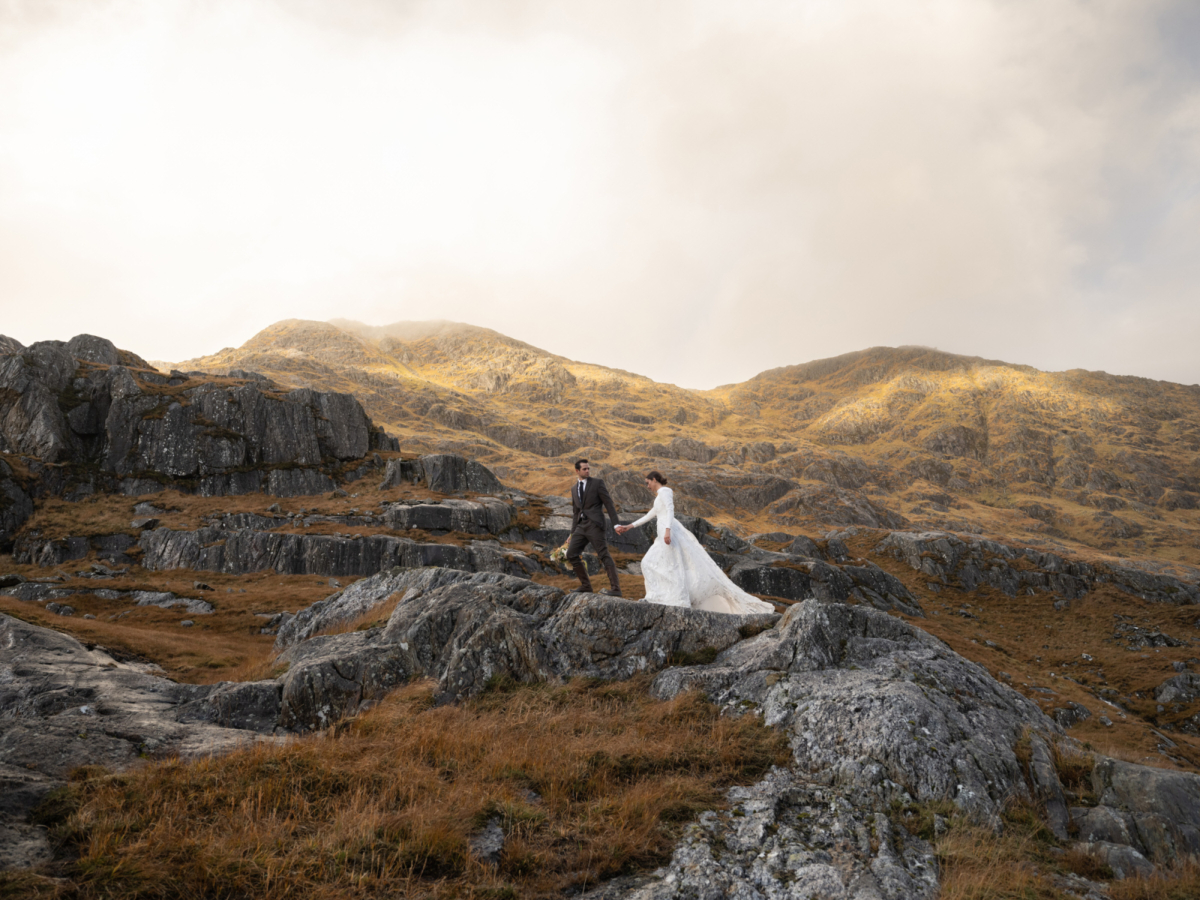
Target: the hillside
(249, 646)
(886, 437)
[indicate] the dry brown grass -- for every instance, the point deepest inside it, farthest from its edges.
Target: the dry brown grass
(1180, 883)
(589, 781)
(223, 646)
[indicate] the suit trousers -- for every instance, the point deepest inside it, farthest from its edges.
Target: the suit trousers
(590, 533)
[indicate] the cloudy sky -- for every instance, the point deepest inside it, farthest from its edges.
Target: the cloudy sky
(695, 191)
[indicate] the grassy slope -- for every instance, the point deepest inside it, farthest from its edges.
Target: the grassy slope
(1087, 460)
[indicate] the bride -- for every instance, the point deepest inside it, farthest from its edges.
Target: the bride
(678, 570)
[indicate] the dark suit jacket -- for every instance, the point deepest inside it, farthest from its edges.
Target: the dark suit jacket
(595, 501)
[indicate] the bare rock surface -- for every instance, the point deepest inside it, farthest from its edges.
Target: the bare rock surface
(446, 473)
(1154, 811)
(241, 551)
(871, 700)
(787, 837)
(466, 629)
(948, 559)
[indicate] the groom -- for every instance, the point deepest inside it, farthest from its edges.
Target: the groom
(589, 500)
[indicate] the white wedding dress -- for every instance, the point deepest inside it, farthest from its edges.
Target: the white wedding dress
(683, 574)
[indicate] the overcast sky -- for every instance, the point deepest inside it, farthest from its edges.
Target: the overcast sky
(695, 191)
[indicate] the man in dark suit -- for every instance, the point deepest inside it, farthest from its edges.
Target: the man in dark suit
(589, 500)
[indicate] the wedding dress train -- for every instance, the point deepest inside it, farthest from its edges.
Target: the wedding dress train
(683, 574)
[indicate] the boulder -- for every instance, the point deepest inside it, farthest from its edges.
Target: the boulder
(1155, 811)
(785, 837)
(9, 345)
(870, 700)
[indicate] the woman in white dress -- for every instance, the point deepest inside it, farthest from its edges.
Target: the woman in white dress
(678, 571)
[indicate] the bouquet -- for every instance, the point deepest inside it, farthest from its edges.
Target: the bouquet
(559, 555)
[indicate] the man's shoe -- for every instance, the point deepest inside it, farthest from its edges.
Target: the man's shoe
(612, 592)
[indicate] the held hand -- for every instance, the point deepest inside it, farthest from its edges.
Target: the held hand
(667, 537)
(621, 529)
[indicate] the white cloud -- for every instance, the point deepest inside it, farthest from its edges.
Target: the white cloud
(716, 188)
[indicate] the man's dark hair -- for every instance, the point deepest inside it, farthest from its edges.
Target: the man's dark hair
(578, 463)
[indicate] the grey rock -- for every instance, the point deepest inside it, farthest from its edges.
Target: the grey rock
(445, 473)
(10, 345)
(60, 609)
(1070, 715)
(464, 630)
(240, 552)
(488, 844)
(298, 482)
(1124, 861)
(63, 706)
(486, 516)
(871, 700)
(788, 837)
(1164, 806)
(167, 600)
(360, 598)
(90, 348)
(16, 506)
(1180, 689)
(1048, 788)
(951, 560)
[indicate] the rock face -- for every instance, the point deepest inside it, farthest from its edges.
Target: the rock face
(86, 402)
(949, 560)
(1154, 811)
(241, 551)
(870, 699)
(445, 473)
(15, 506)
(787, 837)
(465, 629)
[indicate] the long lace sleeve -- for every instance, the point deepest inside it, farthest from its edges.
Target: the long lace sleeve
(647, 517)
(666, 515)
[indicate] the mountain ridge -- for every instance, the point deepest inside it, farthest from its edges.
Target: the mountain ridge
(881, 437)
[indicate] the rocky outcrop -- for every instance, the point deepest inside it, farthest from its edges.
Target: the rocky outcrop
(16, 506)
(464, 631)
(786, 837)
(10, 345)
(950, 560)
(445, 473)
(35, 592)
(63, 705)
(1156, 812)
(86, 402)
(835, 505)
(870, 699)
(241, 551)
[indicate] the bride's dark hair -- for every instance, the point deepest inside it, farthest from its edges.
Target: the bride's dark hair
(657, 476)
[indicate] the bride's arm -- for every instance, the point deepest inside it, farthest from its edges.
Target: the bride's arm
(621, 529)
(666, 515)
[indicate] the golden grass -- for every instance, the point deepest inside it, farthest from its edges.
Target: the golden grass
(588, 781)
(1179, 883)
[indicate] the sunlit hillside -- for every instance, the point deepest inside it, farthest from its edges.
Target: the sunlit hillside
(887, 437)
